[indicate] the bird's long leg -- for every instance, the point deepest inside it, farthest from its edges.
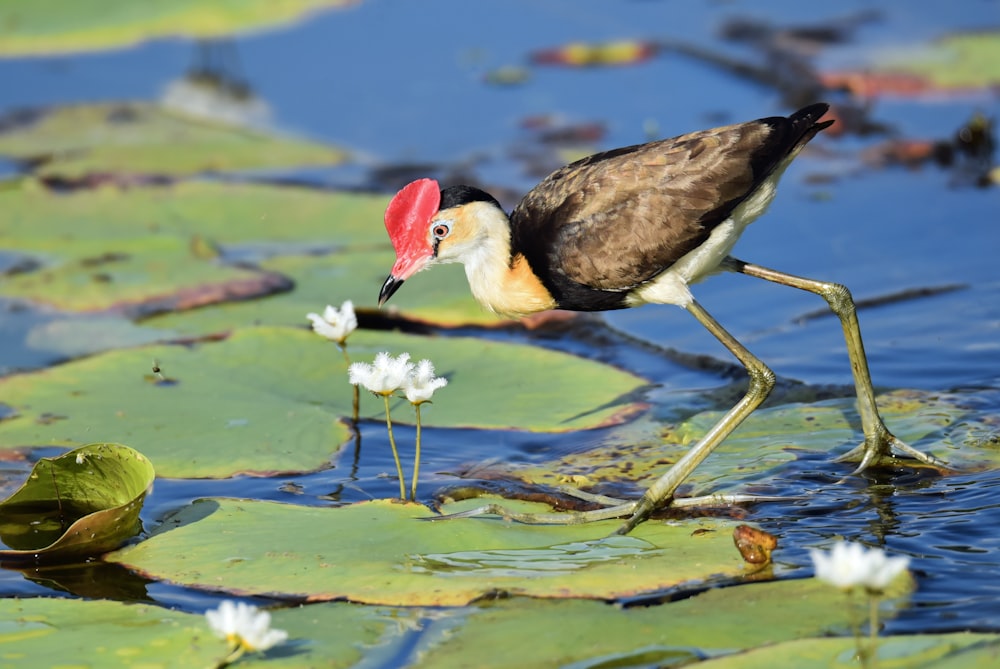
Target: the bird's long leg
(761, 383)
(662, 491)
(879, 442)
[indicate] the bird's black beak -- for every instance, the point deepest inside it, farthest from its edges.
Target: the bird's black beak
(390, 286)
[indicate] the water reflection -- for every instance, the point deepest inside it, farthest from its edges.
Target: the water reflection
(91, 580)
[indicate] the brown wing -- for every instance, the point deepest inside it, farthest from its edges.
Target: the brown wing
(617, 219)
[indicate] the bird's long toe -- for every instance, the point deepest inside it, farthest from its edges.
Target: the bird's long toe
(879, 452)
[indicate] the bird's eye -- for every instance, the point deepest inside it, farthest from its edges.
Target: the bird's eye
(441, 230)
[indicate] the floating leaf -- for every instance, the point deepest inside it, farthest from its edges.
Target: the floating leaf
(959, 63)
(136, 277)
(380, 553)
(73, 336)
(679, 633)
(928, 651)
(58, 632)
(441, 297)
(152, 243)
(31, 338)
(754, 545)
(82, 633)
(268, 400)
(285, 218)
(137, 138)
(35, 28)
(642, 450)
(581, 54)
(968, 60)
(142, 250)
(79, 504)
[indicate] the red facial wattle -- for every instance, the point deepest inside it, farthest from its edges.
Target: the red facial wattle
(407, 219)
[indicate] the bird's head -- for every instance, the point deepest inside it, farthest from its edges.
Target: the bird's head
(428, 225)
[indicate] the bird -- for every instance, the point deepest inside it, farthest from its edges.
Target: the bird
(631, 226)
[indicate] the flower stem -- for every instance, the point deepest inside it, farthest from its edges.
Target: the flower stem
(236, 653)
(395, 453)
(852, 616)
(872, 628)
(416, 459)
(357, 391)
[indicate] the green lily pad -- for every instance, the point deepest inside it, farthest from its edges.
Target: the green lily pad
(717, 622)
(79, 504)
(440, 297)
(927, 651)
(963, 60)
(144, 250)
(225, 214)
(138, 138)
(71, 335)
(380, 553)
(267, 400)
(34, 338)
(36, 28)
(162, 240)
(642, 450)
(64, 632)
(81, 633)
(135, 277)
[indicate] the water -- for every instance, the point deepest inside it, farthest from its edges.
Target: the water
(372, 78)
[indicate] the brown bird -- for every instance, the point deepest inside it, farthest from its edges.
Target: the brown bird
(626, 227)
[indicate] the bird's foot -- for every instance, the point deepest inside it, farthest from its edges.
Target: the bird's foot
(877, 450)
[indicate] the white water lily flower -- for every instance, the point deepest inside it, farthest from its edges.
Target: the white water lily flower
(385, 376)
(849, 564)
(421, 383)
(335, 324)
(244, 626)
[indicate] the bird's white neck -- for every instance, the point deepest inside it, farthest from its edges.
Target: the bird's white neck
(501, 282)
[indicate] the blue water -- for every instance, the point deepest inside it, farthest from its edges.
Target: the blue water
(402, 81)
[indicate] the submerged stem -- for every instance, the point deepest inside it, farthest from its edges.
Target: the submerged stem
(395, 453)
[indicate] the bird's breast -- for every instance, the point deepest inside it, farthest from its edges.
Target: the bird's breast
(515, 291)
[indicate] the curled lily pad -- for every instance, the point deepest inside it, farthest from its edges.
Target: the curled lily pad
(79, 504)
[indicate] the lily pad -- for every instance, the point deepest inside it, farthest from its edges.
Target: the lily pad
(642, 450)
(162, 240)
(69, 335)
(145, 250)
(590, 633)
(380, 553)
(440, 297)
(138, 138)
(267, 400)
(33, 338)
(136, 277)
(717, 622)
(81, 633)
(79, 504)
(928, 651)
(961, 61)
(36, 28)
(226, 214)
